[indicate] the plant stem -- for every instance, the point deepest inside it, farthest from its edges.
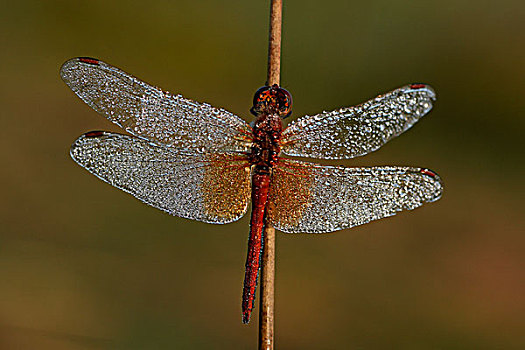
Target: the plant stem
(274, 48)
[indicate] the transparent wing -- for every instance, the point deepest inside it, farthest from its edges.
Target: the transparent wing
(210, 188)
(310, 198)
(150, 113)
(355, 131)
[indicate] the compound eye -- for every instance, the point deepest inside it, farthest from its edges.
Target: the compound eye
(285, 103)
(260, 99)
(261, 95)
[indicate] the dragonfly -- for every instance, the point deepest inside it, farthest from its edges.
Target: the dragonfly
(204, 163)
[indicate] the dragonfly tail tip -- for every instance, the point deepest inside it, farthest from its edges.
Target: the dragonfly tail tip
(246, 317)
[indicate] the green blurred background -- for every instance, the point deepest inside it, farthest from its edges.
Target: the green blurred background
(86, 266)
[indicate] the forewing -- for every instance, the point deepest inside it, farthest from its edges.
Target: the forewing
(355, 131)
(311, 198)
(150, 113)
(213, 188)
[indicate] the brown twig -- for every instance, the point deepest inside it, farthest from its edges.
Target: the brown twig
(266, 311)
(274, 48)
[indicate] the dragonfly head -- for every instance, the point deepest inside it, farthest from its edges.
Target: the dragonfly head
(272, 99)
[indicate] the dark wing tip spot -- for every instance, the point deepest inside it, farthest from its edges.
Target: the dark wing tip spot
(96, 133)
(89, 60)
(428, 172)
(425, 88)
(436, 184)
(418, 86)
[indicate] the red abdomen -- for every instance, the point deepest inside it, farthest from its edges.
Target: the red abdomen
(260, 188)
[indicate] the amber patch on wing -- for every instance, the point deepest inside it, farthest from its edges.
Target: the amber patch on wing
(226, 187)
(290, 193)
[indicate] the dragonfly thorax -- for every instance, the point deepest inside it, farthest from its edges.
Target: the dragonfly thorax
(266, 140)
